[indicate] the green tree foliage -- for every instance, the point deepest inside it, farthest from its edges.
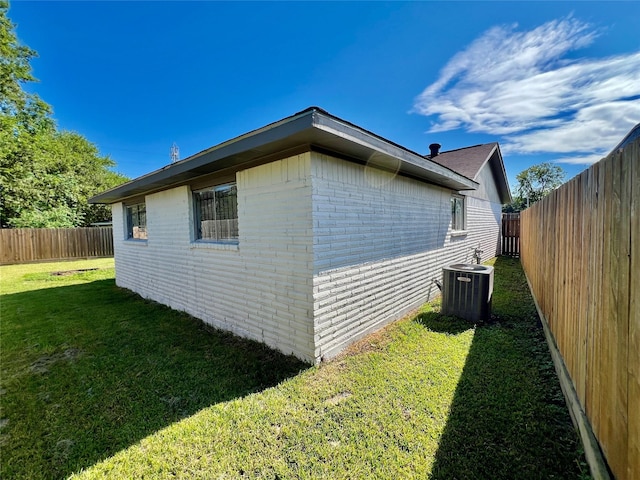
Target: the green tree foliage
(534, 183)
(517, 205)
(46, 175)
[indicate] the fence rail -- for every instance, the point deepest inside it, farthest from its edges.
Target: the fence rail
(511, 234)
(23, 245)
(581, 252)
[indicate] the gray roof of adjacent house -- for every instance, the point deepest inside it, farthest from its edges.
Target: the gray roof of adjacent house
(468, 161)
(312, 128)
(629, 137)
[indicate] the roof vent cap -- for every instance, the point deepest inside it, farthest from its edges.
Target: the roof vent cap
(435, 149)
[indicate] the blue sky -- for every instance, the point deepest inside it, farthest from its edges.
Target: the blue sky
(550, 81)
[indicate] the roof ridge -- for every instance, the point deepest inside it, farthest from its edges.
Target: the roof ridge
(470, 146)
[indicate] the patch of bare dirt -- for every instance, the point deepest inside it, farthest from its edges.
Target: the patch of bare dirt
(44, 363)
(374, 342)
(336, 399)
(66, 273)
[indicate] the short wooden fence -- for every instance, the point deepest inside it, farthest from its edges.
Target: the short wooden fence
(581, 253)
(511, 234)
(24, 245)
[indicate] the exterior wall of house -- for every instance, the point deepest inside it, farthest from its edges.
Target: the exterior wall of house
(379, 241)
(484, 213)
(329, 251)
(260, 288)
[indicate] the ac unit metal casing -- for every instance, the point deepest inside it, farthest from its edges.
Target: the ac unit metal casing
(467, 291)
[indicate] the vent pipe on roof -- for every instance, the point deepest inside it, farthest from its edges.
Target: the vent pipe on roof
(435, 149)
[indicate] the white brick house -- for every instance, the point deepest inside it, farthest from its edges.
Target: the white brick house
(305, 234)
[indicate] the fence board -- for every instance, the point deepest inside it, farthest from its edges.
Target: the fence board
(580, 249)
(633, 454)
(583, 221)
(23, 245)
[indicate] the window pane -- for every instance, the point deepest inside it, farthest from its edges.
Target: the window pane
(457, 213)
(216, 211)
(137, 221)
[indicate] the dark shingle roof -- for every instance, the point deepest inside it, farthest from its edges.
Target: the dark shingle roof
(468, 160)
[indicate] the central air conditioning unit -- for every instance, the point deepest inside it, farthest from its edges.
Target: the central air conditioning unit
(467, 290)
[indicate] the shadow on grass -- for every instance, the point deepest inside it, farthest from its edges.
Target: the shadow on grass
(508, 418)
(90, 369)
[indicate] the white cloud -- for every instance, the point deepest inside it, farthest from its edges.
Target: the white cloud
(519, 85)
(580, 160)
(592, 128)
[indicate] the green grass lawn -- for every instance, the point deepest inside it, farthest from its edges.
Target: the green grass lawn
(101, 383)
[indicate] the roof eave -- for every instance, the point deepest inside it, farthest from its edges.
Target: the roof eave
(206, 161)
(505, 194)
(381, 153)
(312, 127)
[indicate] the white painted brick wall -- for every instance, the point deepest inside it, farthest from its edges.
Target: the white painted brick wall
(328, 251)
(485, 213)
(487, 189)
(379, 243)
(261, 289)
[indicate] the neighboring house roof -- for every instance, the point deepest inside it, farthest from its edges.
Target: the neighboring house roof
(629, 137)
(468, 161)
(312, 128)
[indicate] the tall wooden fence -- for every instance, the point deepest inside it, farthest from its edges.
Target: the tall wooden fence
(22, 245)
(581, 252)
(511, 234)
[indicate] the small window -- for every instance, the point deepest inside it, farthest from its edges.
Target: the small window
(216, 213)
(457, 212)
(137, 221)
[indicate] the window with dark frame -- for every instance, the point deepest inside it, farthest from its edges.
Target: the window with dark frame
(137, 221)
(216, 213)
(457, 212)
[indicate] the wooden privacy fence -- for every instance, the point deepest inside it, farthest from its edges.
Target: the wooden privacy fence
(581, 252)
(220, 229)
(511, 234)
(22, 245)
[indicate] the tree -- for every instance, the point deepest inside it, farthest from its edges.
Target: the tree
(517, 205)
(535, 183)
(46, 175)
